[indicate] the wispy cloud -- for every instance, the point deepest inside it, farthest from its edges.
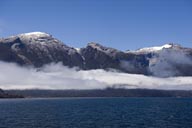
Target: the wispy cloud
(169, 62)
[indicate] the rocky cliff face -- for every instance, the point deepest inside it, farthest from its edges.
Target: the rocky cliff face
(38, 49)
(97, 56)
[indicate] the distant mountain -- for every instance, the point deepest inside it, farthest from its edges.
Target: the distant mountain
(108, 92)
(9, 95)
(38, 49)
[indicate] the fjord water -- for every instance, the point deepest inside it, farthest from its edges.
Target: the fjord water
(96, 113)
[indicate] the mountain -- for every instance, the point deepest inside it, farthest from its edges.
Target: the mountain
(107, 92)
(38, 49)
(8, 95)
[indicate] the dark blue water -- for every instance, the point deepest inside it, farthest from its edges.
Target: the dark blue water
(96, 113)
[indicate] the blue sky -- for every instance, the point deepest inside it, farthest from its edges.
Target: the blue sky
(122, 24)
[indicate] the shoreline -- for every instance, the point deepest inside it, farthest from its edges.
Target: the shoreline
(97, 93)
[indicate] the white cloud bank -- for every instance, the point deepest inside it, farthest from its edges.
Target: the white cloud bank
(57, 76)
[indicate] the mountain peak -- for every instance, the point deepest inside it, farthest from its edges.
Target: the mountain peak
(96, 46)
(37, 38)
(101, 47)
(93, 44)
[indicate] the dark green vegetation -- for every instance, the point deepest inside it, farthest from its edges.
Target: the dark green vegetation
(108, 92)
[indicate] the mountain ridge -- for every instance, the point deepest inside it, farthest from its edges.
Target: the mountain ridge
(39, 48)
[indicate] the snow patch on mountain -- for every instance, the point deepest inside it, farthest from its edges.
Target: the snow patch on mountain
(35, 34)
(78, 49)
(153, 49)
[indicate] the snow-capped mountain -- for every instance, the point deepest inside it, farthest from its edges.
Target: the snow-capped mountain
(38, 49)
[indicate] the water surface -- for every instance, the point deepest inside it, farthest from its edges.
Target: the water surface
(96, 113)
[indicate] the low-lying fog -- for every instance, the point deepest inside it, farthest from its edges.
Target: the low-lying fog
(57, 76)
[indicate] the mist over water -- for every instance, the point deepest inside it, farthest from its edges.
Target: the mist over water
(57, 76)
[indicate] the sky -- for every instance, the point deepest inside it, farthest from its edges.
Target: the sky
(121, 24)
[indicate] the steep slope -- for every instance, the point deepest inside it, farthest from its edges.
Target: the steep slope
(168, 60)
(174, 61)
(37, 49)
(97, 56)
